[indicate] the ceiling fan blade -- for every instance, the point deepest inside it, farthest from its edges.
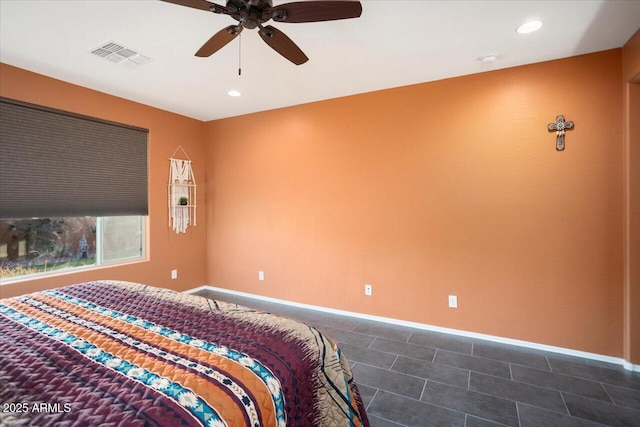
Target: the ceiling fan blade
(282, 44)
(200, 4)
(314, 11)
(219, 40)
(196, 4)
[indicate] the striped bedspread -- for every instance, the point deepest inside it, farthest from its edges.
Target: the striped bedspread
(111, 353)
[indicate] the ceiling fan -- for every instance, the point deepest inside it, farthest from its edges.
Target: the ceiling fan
(253, 13)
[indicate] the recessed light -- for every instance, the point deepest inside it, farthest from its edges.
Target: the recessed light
(234, 92)
(529, 27)
(488, 58)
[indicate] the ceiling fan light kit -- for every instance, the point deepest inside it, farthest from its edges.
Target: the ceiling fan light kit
(252, 14)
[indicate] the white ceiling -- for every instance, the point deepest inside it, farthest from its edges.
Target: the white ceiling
(394, 43)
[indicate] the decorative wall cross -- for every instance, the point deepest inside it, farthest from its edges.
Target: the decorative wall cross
(560, 126)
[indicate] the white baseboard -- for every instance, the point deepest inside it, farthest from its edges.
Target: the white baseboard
(527, 344)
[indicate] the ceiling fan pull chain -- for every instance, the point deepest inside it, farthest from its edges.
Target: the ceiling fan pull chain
(240, 54)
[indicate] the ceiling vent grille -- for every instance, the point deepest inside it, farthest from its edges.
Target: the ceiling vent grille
(119, 54)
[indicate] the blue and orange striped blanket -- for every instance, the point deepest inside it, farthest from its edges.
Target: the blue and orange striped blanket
(112, 353)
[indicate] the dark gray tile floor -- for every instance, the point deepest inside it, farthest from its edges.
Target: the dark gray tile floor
(412, 377)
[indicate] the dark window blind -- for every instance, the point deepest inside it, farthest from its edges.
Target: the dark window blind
(55, 164)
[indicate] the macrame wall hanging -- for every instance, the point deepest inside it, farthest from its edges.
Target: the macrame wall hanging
(181, 193)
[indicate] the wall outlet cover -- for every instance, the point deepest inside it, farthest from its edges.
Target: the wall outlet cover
(453, 301)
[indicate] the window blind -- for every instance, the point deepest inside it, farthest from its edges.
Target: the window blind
(55, 164)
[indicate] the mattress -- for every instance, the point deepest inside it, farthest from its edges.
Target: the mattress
(112, 353)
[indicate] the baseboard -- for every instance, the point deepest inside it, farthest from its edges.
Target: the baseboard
(527, 344)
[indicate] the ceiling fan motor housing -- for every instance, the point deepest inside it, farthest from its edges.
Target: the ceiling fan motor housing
(250, 13)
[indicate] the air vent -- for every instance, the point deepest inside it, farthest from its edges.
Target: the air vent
(119, 54)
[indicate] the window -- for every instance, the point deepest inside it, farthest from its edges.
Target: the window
(73, 191)
(35, 247)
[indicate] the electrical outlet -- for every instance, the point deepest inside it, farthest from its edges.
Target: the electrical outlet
(174, 274)
(368, 290)
(260, 275)
(453, 301)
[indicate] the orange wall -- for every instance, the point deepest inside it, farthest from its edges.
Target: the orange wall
(449, 187)
(166, 250)
(631, 114)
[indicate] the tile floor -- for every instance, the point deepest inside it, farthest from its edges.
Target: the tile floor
(412, 377)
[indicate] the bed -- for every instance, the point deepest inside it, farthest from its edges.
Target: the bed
(114, 353)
